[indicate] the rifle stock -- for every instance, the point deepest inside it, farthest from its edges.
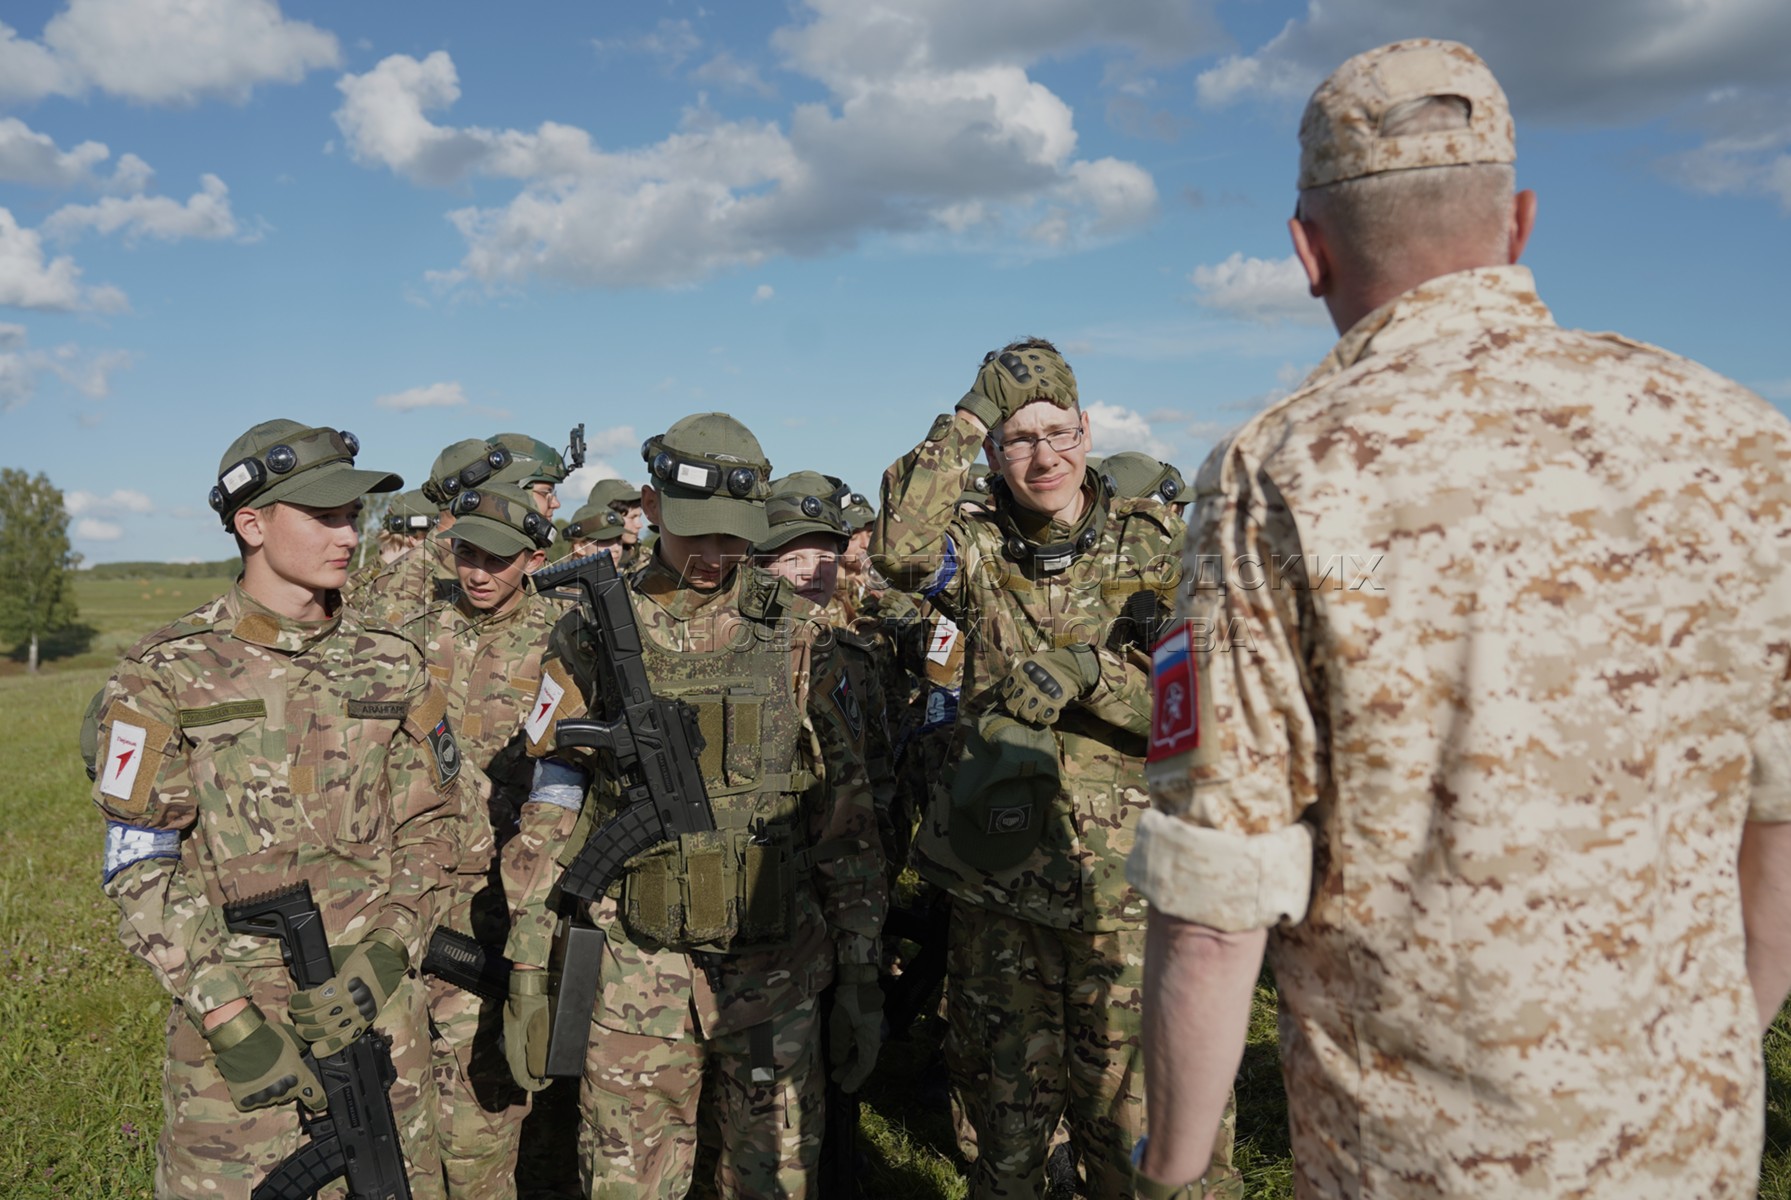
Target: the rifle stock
(356, 1137)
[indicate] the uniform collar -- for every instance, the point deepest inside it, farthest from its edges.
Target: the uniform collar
(666, 588)
(248, 620)
(1449, 305)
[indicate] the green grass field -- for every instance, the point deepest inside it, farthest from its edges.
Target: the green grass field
(81, 1023)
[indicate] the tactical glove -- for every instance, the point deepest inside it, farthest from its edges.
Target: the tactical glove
(855, 1033)
(263, 1062)
(333, 1014)
(525, 1029)
(1037, 687)
(1009, 380)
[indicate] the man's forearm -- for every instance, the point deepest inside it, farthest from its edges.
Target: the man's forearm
(1198, 983)
(1765, 871)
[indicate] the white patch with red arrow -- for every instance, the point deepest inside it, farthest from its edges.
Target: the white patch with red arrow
(124, 755)
(547, 702)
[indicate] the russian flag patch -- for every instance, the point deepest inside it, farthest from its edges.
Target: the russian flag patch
(1175, 695)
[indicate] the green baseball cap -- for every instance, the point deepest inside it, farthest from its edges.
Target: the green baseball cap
(857, 510)
(465, 464)
(531, 460)
(802, 503)
(1134, 474)
(501, 519)
(409, 513)
(286, 462)
(614, 493)
(595, 523)
(711, 476)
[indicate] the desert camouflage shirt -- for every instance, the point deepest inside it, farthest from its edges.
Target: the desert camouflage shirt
(840, 902)
(412, 583)
(1003, 610)
(244, 752)
(1492, 629)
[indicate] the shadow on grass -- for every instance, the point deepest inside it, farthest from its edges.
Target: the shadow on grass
(66, 642)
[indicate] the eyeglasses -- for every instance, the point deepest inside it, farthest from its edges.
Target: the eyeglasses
(1019, 449)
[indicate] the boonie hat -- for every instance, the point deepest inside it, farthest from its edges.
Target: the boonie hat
(286, 462)
(1340, 133)
(803, 503)
(531, 460)
(1132, 474)
(501, 519)
(711, 476)
(595, 523)
(613, 493)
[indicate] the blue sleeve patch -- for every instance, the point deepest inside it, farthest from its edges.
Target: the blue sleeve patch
(559, 785)
(128, 844)
(941, 579)
(941, 709)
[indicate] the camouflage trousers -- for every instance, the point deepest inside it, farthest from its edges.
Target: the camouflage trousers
(209, 1149)
(480, 1121)
(641, 1096)
(1044, 1024)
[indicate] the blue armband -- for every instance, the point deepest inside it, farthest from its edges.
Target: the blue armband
(128, 844)
(559, 785)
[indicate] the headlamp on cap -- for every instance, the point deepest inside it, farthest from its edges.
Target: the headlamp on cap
(443, 491)
(609, 518)
(242, 480)
(534, 526)
(408, 523)
(696, 473)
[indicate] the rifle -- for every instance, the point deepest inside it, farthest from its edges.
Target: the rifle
(356, 1136)
(653, 746)
(460, 959)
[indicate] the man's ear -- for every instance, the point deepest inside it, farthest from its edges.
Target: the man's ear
(537, 560)
(991, 454)
(650, 503)
(1309, 247)
(1523, 223)
(1087, 429)
(251, 526)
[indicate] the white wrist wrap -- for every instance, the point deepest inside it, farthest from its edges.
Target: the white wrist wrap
(1227, 881)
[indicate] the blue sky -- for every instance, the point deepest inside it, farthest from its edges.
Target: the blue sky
(424, 222)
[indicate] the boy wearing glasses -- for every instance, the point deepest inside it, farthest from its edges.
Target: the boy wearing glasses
(267, 739)
(1055, 588)
(485, 649)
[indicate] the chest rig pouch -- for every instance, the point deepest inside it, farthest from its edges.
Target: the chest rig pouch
(735, 888)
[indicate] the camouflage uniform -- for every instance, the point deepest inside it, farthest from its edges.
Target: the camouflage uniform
(660, 1018)
(1046, 958)
(410, 584)
(489, 665)
(1525, 745)
(270, 752)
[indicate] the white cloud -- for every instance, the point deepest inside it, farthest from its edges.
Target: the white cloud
(123, 500)
(206, 214)
(434, 395)
(1258, 289)
(930, 126)
(763, 293)
(87, 529)
(726, 71)
(671, 40)
(577, 486)
(22, 367)
(29, 280)
(167, 51)
(1716, 65)
(29, 157)
(1113, 428)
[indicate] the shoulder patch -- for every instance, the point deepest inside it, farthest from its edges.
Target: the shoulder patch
(846, 700)
(446, 751)
(135, 747)
(553, 687)
(1175, 703)
(217, 714)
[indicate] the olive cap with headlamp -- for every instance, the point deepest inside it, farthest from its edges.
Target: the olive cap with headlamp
(596, 523)
(531, 460)
(285, 462)
(712, 478)
(1133, 474)
(410, 514)
(804, 503)
(854, 506)
(470, 463)
(500, 519)
(613, 493)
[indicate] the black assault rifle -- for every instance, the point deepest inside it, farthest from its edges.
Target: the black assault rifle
(652, 746)
(356, 1136)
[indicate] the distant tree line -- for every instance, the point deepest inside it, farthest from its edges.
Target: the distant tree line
(223, 568)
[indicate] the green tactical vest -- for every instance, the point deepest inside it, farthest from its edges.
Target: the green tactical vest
(735, 888)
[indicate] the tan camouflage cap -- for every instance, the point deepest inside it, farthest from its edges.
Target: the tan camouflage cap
(614, 493)
(499, 518)
(284, 461)
(802, 503)
(711, 476)
(596, 522)
(1340, 131)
